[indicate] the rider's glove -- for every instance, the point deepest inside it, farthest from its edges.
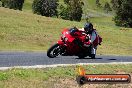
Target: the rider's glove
(87, 44)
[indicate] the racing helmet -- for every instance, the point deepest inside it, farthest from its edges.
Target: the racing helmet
(88, 27)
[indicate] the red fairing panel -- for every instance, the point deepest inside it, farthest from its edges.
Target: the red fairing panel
(67, 35)
(60, 42)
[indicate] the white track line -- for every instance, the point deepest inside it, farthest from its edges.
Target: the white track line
(62, 65)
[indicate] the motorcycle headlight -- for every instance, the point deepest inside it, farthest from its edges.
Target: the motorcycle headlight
(63, 36)
(65, 39)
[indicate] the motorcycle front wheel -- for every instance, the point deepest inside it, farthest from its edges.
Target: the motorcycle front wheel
(53, 51)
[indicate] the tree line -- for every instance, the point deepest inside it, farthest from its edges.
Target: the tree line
(72, 9)
(122, 9)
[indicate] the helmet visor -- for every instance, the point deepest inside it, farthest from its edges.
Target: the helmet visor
(87, 29)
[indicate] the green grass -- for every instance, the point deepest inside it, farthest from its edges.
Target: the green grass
(20, 31)
(91, 4)
(46, 77)
(115, 39)
(28, 5)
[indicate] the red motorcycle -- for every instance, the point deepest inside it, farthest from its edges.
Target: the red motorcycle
(70, 44)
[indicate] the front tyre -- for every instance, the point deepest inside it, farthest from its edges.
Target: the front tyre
(53, 51)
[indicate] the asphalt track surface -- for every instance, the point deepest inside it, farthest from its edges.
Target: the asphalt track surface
(11, 59)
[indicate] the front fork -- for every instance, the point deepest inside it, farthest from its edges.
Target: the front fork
(62, 47)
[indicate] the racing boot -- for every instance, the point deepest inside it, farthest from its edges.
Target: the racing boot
(93, 52)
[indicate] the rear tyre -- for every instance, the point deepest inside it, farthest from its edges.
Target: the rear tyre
(53, 51)
(81, 56)
(92, 56)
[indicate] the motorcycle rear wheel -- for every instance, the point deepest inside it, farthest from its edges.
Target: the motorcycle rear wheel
(53, 51)
(81, 56)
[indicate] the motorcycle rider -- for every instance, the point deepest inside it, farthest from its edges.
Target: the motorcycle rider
(94, 38)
